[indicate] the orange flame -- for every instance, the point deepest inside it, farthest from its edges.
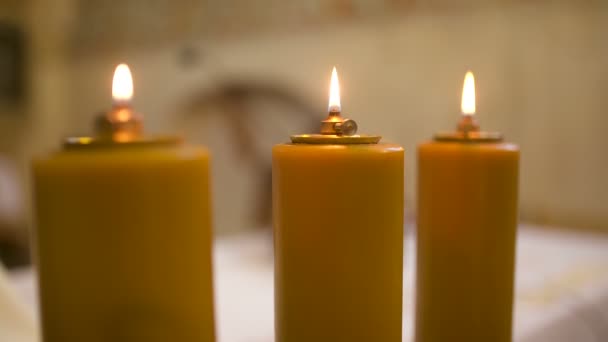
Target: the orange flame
(468, 94)
(334, 92)
(122, 85)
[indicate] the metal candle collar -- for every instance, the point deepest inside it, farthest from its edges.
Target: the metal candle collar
(336, 130)
(119, 126)
(468, 131)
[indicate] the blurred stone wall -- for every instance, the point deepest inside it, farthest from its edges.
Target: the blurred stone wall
(541, 75)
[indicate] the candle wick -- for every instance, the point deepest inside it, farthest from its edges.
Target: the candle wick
(467, 124)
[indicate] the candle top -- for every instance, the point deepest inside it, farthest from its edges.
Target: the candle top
(121, 125)
(468, 129)
(335, 129)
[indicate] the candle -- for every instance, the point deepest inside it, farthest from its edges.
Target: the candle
(123, 234)
(338, 230)
(467, 219)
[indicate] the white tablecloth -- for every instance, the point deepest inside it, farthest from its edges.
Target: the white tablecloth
(561, 288)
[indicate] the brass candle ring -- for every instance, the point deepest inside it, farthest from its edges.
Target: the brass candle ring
(468, 131)
(118, 127)
(336, 130)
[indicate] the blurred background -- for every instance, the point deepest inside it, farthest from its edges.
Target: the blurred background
(240, 76)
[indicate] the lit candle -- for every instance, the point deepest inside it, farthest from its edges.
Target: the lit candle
(338, 233)
(123, 234)
(467, 219)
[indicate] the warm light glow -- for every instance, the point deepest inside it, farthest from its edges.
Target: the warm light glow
(122, 85)
(468, 94)
(334, 93)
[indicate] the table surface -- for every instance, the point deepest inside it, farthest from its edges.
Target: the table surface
(561, 287)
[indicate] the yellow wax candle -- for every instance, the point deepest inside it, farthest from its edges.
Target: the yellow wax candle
(123, 238)
(338, 230)
(467, 219)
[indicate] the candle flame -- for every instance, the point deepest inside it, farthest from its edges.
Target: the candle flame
(468, 94)
(334, 92)
(122, 85)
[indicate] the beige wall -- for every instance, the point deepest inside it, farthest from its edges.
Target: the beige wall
(541, 74)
